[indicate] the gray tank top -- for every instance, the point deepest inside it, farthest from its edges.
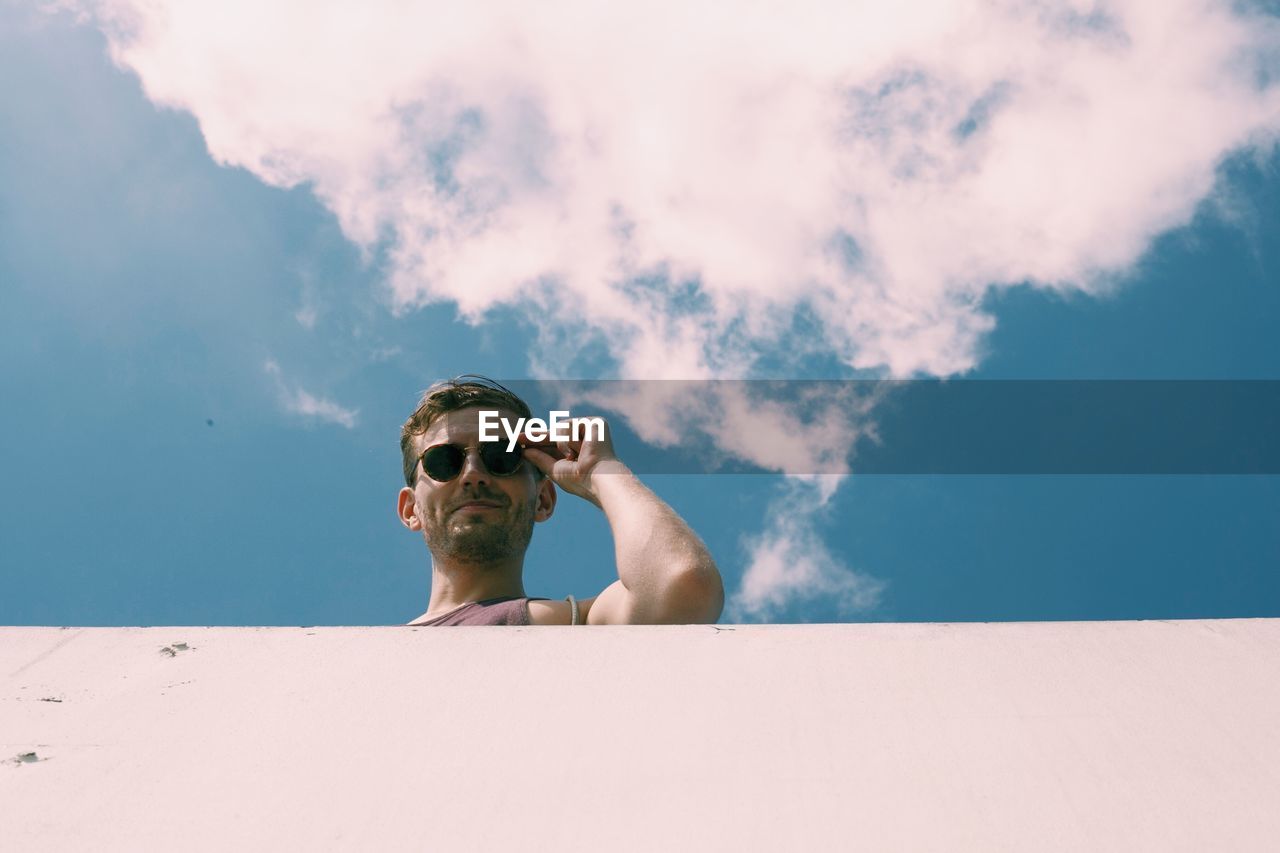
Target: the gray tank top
(491, 611)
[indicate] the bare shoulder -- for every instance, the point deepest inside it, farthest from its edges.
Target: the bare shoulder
(543, 612)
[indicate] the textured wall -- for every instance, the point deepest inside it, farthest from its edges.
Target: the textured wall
(1106, 735)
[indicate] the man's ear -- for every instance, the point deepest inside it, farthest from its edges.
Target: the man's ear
(405, 507)
(546, 499)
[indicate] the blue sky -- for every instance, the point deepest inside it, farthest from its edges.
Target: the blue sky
(158, 472)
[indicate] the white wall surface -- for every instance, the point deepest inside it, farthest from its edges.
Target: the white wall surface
(1024, 736)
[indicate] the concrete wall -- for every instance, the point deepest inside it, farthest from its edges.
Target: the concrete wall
(1071, 736)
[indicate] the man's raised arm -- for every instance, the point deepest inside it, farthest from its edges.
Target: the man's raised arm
(665, 573)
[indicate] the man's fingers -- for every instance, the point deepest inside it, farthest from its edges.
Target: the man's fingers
(548, 447)
(541, 460)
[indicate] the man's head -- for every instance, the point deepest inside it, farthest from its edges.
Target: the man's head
(474, 516)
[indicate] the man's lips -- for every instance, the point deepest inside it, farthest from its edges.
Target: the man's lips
(477, 504)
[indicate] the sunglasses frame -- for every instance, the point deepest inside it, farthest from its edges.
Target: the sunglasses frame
(493, 448)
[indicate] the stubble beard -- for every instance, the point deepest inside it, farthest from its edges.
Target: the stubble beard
(479, 541)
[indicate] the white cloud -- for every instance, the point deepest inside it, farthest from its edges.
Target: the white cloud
(307, 316)
(788, 563)
(299, 401)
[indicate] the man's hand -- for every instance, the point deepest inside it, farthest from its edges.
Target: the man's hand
(571, 464)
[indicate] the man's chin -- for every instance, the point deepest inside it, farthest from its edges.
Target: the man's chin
(477, 542)
(474, 524)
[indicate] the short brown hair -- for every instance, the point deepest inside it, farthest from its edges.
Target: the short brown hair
(461, 392)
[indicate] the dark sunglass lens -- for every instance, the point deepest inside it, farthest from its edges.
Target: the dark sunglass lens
(442, 462)
(500, 461)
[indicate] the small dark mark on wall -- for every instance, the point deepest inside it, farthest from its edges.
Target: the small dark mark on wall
(50, 699)
(27, 758)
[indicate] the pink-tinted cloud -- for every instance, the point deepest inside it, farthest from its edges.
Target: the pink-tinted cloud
(883, 165)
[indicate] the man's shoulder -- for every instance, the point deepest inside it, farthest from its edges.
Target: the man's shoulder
(543, 611)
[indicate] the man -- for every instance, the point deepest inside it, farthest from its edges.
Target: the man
(475, 503)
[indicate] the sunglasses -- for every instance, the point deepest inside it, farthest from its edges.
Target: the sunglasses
(443, 462)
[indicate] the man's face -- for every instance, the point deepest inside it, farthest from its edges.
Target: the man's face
(476, 517)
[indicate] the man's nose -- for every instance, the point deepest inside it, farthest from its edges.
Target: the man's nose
(473, 470)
